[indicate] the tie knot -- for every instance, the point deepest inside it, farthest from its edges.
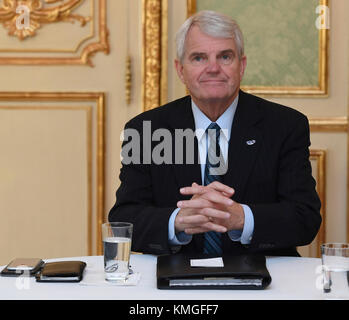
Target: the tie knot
(213, 131)
(213, 126)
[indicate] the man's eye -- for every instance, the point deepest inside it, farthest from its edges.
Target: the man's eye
(226, 57)
(199, 59)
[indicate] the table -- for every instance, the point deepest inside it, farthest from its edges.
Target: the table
(293, 278)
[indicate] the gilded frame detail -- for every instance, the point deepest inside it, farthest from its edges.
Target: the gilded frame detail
(319, 156)
(86, 54)
(333, 124)
(321, 90)
(154, 55)
(98, 98)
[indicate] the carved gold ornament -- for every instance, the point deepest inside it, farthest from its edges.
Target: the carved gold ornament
(48, 11)
(154, 91)
(23, 17)
(128, 79)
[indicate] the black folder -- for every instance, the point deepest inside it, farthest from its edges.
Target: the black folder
(243, 272)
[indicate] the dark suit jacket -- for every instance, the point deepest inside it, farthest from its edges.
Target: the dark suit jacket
(272, 176)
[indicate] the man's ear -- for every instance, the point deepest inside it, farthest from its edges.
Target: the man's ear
(243, 63)
(179, 68)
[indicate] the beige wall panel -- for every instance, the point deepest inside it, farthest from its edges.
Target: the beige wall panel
(336, 187)
(45, 198)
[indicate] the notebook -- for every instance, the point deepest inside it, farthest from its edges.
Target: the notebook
(243, 272)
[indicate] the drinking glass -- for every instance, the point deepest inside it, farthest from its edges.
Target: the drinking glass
(335, 270)
(117, 239)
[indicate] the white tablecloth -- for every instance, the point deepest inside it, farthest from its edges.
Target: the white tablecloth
(292, 279)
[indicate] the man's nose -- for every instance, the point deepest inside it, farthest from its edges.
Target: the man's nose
(213, 65)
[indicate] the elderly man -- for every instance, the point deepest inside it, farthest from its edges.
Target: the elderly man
(263, 198)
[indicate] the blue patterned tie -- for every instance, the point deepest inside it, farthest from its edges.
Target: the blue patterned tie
(214, 163)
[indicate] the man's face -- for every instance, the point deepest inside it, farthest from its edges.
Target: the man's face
(210, 69)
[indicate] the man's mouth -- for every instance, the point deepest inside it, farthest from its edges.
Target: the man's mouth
(213, 81)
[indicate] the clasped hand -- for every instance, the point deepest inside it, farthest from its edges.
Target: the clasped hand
(209, 209)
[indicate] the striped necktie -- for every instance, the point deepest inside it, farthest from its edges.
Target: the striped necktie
(214, 168)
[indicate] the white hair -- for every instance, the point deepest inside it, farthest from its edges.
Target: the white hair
(213, 24)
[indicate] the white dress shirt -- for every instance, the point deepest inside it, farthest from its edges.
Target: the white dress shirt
(201, 123)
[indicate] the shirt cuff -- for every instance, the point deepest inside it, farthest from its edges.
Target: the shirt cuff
(244, 235)
(181, 238)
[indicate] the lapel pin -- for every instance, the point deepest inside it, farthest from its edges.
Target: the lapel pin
(250, 142)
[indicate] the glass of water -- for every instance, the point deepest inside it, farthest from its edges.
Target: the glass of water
(335, 270)
(117, 239)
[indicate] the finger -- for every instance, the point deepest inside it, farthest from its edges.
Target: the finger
(193, 221)
(214, 213)
(193, 203)
(194, 224)
(218, 186)
(209, 226)
(194, 189)
(209, 193)
(217, 197)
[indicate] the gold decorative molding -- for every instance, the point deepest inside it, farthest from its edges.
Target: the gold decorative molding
(154, 73)
(128, 80)
(321, 90)
(191, 7)
(39, 15)
(98, 98)
(151, 53)
(333, 124)
(164, 52)
(319, 155)
(48, 15)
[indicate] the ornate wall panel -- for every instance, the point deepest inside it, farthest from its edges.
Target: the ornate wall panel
(286, 43)
(51, 173)
(51, 32)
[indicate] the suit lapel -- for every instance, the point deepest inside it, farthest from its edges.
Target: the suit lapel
(185, 173)
(245, 140)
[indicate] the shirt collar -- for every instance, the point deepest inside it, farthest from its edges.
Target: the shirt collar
(224, 121)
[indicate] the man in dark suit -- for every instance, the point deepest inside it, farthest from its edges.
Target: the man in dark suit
(264, 201)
